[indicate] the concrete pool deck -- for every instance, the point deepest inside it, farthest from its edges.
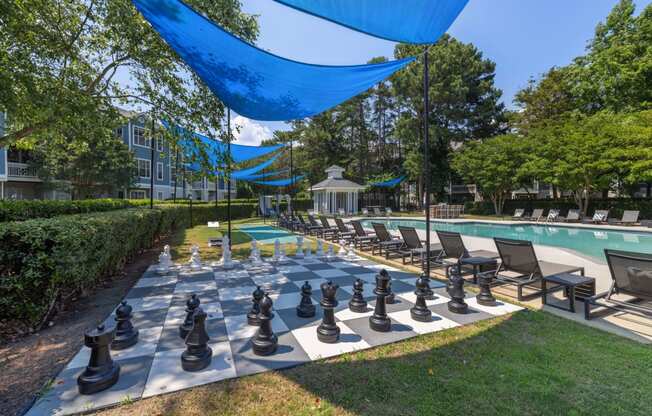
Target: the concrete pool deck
(627, 325)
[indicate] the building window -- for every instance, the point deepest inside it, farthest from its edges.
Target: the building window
(159, 195)
(140, 139)
(173, 173)
(159, 144)
(137, 194)
(118, 132)
(159, 171)
(144, 168)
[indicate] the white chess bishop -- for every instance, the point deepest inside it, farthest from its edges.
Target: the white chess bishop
(282, 258)
(277, 250)
(195, 259)
(320, 249)
(308, 254)
(351, 252)
(299, 252)
(164, 261)
(330, 253)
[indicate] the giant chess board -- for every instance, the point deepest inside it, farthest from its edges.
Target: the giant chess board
(153, 365)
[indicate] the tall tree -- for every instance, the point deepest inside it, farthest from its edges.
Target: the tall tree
(59, 61)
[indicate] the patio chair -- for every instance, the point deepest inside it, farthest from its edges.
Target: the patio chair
(573, 215)
(629, 218)
(363, 239)
(454, 250)
(631, 276)
(553, 215)
(343, 232)
(341, 212)
(520, 267)
(315, 227)
(600, 216)
(388, 212)
(537, 213)
(365, 212)
(385, 241)
(328, 232)
(414, 246)
(378, 212)
(518, 214)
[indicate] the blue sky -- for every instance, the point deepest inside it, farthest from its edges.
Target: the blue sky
(524, 37)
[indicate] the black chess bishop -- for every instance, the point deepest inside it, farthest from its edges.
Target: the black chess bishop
(191, 306)
(265, 341)
(379, 321)
(357, 302)
(252, 315)
(198, 354)
(101, 372)
(306, 308)
(328, 331)
(125, 335)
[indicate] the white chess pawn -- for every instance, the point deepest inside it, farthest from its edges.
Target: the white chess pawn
(351, 253)
(342, 251)
(299, 252)
(320, 249)
(282, 257)
(308, 252)
(277, 250)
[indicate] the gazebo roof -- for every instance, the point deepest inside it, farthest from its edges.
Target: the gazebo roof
(337, 184)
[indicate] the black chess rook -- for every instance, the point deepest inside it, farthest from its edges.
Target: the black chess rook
(102, 372)
(198, 354)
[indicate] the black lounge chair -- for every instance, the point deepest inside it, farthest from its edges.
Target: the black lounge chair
(520, 267)
(315, 228)
(414, 247)
(631, 275)
(343, 232)
(385, 241)
(454, 250)
(600, 216)
(629, 218)
(328, 232)
(303, 226)
(362, 239)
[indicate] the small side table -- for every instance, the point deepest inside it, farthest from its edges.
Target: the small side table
(477, 263)
(569, 283)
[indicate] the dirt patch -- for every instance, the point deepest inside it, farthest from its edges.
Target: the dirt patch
(29, 363)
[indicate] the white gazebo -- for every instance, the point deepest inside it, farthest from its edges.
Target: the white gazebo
(336, 192)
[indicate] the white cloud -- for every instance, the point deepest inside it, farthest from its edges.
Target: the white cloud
(248, 132)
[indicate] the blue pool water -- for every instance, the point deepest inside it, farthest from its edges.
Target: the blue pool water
(588, 241)
(267, 234)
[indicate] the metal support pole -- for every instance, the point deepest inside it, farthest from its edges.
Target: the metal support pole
(176, 174)
(291, 181)
(228, 174)
(151, 167)
(426, 162)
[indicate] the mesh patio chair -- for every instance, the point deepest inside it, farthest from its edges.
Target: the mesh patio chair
(385, 241)
(388, 212)
(365, 212)
(631, 284)
(537, 213)
(362, 239)
(343, 232)
(573, 215)
(520, 267)
(518, 214)
(378, 212)
(328, 232)
(341, 212)
(315, 228)
(553, 215)
(454, 250)
(414, 247)
(629, 218)
(600, 216)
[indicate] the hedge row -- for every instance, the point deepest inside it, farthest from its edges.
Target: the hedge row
(46, 262)
(616, 206)
(25, 210)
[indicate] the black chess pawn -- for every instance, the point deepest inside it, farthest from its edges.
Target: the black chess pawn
(379, 321)
(191, 305)
(485, 297)
(420, 311)
(357, 302)
(102, 372)
(198, 354)
(125, 334)
(456, 292)
(256, 297)
(390, 299)
(265, 340)
(306, 308)
(328, 331)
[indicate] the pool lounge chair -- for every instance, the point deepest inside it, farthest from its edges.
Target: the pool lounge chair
(454, 250)
(600, 216)
(307, 227)
(315, 227)
(378, 212)
(365, 212)
(341, 212)
(363, 240)
(414, 247)
(518, 214)
(343, 232)
(537, 214)
(384, 241)
(520, 267)
(388, 212)
(629, 218)
(631, 276)
(553, 215)
(573, 215)
(328, 232)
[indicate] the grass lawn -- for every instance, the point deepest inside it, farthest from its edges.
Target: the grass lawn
(530, 363)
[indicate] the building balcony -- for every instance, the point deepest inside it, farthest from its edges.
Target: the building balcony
(22, 172)
(462, 189)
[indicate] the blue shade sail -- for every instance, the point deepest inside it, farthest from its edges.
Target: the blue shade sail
(213, 148)
(409, 21)
(247, 173)
(280, 182)
(253, 82)
(389, 183)
(265, 175)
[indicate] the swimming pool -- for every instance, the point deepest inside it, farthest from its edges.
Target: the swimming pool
(268, 234)
(588, 241)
